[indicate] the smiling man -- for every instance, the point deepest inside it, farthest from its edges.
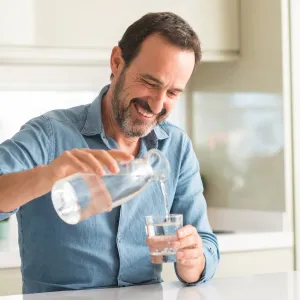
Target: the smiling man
(150, 68)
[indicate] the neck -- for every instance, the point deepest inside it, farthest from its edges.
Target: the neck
(112, 129)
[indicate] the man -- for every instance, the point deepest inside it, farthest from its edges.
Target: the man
(150, 68)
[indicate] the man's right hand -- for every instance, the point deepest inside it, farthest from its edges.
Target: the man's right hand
(86, 161)
(14, 187)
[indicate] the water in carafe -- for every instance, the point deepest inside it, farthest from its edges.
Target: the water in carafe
(81, 196)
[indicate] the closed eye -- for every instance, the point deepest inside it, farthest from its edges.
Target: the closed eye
(173, 94)
(153, 85)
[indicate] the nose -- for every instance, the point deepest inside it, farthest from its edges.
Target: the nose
(157, 102)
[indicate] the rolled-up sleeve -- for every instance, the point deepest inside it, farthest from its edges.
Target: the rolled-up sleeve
(189, 201)
(28, 148)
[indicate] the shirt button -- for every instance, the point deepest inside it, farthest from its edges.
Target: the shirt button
(119, 239)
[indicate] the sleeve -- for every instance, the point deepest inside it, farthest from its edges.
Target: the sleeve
(189, 201)
(28, 148)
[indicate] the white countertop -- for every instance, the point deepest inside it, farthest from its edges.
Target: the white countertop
(237, 242)
(280, 286)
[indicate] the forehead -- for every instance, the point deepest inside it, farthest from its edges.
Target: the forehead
(159, 58)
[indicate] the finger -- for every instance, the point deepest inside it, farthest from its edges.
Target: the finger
(156, 259)
(162, 241)
(114, 153)
(189, 254)
(186, 242)
(90, 160)
(100, 194)
(190, 262)
(106, 160)
(75, 162)
(105, 195)
(120, 155)
(100, 197)
(186, 230)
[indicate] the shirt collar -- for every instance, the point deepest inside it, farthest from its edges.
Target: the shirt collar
(94, 125)
(160, 133)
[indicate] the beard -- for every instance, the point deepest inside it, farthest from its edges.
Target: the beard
(123, 114)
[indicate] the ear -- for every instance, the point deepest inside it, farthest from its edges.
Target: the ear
(116, 61)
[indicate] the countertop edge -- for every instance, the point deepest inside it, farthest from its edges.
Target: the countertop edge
(228, 243)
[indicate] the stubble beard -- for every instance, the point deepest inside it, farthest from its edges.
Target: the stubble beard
(123, 116)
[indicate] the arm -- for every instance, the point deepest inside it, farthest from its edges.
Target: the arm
(22, 187)
(21, 179)
(31, 170)
(198, 264)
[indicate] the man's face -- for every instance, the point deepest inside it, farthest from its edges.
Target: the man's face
(145, 92)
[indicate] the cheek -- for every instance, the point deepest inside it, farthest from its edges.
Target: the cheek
(169, 105)
(141, 91)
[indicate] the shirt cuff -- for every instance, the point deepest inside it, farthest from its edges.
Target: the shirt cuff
(6, 215)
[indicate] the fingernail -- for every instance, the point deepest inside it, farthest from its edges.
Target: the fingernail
(180, 254)
(181, 233)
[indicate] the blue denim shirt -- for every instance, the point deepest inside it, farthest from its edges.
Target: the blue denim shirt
(108, 249)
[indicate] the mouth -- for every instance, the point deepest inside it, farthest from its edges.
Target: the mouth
(142, 112)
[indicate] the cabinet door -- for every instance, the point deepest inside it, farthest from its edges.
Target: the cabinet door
(96, 23)
(10, 282)
(245, 263)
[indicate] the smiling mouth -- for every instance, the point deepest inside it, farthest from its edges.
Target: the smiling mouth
(143, 112)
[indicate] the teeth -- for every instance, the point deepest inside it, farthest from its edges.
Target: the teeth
(143, 112)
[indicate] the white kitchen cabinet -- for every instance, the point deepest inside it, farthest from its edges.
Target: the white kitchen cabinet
(10, 282)
(246, 263)
(248, 254)
(101, 24)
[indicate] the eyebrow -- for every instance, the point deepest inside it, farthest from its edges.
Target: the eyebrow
(150, 77)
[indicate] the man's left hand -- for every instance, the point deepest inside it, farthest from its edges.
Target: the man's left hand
(190, 257)
(190, 254)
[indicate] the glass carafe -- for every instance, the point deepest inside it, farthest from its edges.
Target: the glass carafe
(83, 195)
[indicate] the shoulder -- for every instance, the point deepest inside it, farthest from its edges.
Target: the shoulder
(72, 115)
(175, 134)
(75, 116)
